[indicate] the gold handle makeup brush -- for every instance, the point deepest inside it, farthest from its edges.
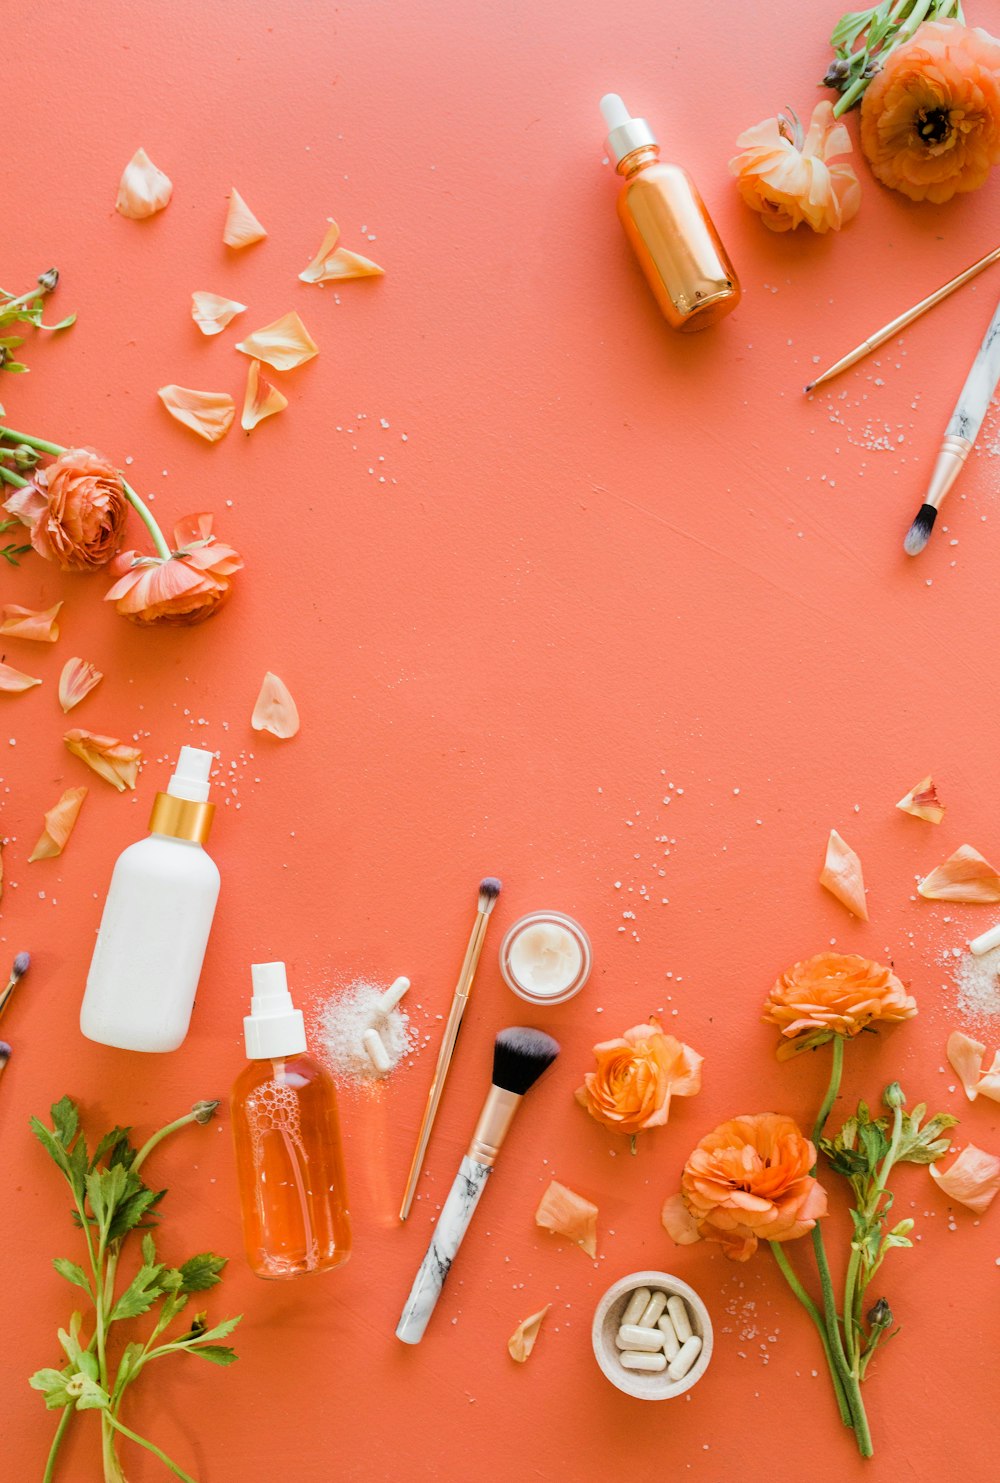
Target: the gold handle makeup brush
(19, 968)
(489, 890)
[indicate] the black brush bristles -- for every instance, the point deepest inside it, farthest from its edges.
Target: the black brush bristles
(489, 890)
(520, 1056)
(919, 532)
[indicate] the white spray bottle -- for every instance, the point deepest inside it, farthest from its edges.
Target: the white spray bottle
(154, 931)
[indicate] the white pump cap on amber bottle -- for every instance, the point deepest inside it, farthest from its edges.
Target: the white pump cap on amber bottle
(625, 133)
(274, 1027)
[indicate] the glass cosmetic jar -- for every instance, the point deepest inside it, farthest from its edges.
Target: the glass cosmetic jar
(545, 957)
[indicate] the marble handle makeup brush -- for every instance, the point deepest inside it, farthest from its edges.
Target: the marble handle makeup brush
(959, 435)
(489, 890)
(519, 1058)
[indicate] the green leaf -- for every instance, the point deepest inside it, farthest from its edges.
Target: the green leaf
(71, 1272)
(201, 1272)
(217, 1354)
(108, 1144)
(63, 324)
(140, 1295)
(148, 1249)
(89, 1395)
(70, 1340)
(52, 1384)
(65, 1120)
(51, 1144)
(127, 1366)
(105, 1188)
(133, 1208)
(210, 1335)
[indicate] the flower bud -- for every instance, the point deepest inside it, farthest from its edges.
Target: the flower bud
(836, 74)
(20, 966)
(204, 1111)
(893, 1096)
(880, 1316)
(48, 280)
(25, 458)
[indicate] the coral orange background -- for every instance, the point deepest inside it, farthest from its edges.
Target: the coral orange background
(606, 567)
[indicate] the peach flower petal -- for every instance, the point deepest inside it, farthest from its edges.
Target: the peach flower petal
(275, 710)
(841, 875)
(212, 312)
(989, 1083)
(965, 1056)
(965, 876)
(636, 1077)
(77, 680)
(242, 227)
(284, 344)
(973, 1179)
(568, 1214)
(143, 190)
(790, 180)
(261, 400)
(923, 802)
(59, 821)
(207, 413)
(39, 625)
(115, 761)
(333, 262)
(835, 994)
(13, 682)
(522, 1340)
(678, 1222)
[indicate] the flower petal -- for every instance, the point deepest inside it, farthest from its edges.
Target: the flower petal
(966, 1058)
(522, 1340)
(965, 876)
(678, 1222)
(973, 1179)
(143, 190)
(922, 802)
(78, 678)
(570, 1215)
(284, 344)
(207, 413)
(59, 821)
(841, 875)
(261, 400)
(241, 227)
(989, 1082)
(13, 682)
(28, 623)
(115, 761)
(275, 710)
(212, 312)
(333, 262)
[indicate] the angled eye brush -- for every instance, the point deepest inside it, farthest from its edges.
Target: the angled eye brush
(519, 1058)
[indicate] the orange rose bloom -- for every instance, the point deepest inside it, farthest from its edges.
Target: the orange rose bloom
(834, 994)
(636, 1077)
(748, 1181)
(75, 510)
(790, 180)
(930, 119)
(181, 589)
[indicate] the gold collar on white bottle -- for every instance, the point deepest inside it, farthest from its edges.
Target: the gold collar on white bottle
(181, 819)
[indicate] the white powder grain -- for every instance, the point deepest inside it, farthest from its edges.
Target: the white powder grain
(978, 982)
(342, 1020)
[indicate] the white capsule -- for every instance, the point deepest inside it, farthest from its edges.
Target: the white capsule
(677, 1308)
(636, 1305)
(671, 1343)
(990, 939)
(652, 1310)
(377, 1054)
(630, 1336)
(638, 1360)
(690, 1350)
(392, 996)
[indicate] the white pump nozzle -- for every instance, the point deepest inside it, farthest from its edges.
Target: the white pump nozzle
(274, 1027)
(190, 779)
(625, 133)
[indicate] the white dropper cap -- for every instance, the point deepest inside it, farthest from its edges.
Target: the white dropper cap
(625, 133)
(190, 779)
(274, 1027)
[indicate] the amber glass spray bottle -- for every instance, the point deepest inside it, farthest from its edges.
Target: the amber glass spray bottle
(669, 228)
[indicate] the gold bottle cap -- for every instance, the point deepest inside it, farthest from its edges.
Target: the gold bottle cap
(181, 819)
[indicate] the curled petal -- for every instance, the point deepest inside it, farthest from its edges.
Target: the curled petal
(966, 1058)
(923, 802)
(261, 400)
(28, 623)
(790, 181)
(207, 413)
(841, 875)
(241, 227)
(284, 344)
(522, 1340)
(13, 682)
(212, 312)
(144, 190)
(275, 710)
(568, 1214)
(678, 1222)
(333, 262)
(59, 822)
(973, 1179)
(989, 1082)
(115, 761)
(965, 876)
(78, 678)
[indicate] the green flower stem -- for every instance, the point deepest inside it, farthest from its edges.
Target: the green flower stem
(7, 476)
(11, 436)
(810, 1307)
(836, 1072)
(854, 1290)
(50, 1466)
(150, 1447)
(8, 302)
(940, 9)
(150, 1144)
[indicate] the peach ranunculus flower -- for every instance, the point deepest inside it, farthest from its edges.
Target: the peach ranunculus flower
(833, 994)
(185, 588)
(750, 1180)
(930, 118)
(75, 510)
(791, 180)
(635, 1078)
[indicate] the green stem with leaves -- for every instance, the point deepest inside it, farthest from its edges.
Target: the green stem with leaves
(785, 1267)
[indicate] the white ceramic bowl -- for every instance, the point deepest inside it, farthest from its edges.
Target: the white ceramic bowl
(642, 1384)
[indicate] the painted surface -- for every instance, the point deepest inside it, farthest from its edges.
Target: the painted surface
(586, 567)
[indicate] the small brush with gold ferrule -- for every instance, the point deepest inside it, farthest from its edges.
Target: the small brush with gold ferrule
(19, 968)
(5, 1055)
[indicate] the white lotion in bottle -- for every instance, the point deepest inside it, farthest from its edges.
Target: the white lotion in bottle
(154, 931)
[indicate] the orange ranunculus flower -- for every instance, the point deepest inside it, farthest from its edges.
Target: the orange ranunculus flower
(748, 1181)
(184, 588)
(833, 994)
(930, 119)
(790, 180)
(75, 509)
(636, 1077)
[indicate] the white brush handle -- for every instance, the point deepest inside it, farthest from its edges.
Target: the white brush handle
(981, 383)
(453, 1222)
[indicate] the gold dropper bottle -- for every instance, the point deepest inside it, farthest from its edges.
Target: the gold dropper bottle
(670, 230)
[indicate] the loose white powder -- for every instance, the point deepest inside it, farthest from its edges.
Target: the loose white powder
(978, 982)
(343, 1018)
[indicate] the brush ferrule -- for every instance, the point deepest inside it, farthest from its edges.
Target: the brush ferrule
(951, 459)
(493, 1125)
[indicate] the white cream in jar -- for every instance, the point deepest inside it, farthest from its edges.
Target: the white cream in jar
(545, 957)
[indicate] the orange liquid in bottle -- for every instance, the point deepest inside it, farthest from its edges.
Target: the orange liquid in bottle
(290, 1168)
